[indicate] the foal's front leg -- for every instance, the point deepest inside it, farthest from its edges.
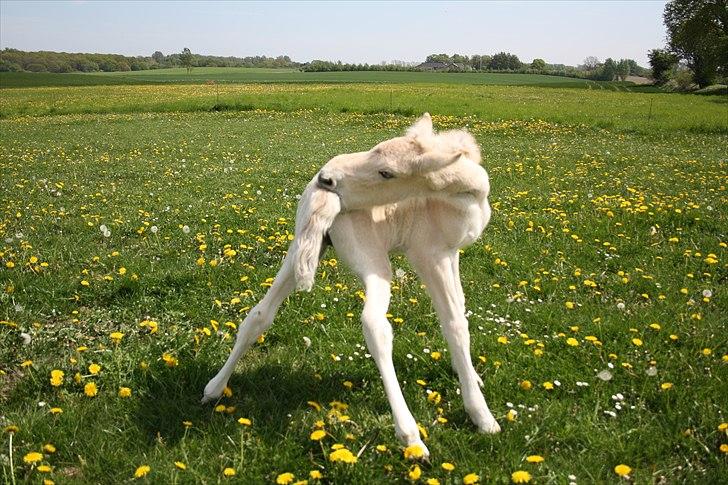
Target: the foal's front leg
(379, 337)
(259, 319)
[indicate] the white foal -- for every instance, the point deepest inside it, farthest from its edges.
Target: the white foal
(424, 194)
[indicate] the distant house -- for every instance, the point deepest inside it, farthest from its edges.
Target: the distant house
(436, 66)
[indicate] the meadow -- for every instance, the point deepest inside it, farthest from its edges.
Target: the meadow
(139, 224)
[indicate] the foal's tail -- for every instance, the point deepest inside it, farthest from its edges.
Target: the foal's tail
(316, 212)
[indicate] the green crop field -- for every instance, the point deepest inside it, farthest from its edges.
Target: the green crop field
(203, 75)
(140, 223)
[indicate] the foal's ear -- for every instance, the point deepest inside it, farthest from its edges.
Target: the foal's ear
(437, 158)
(422, 128)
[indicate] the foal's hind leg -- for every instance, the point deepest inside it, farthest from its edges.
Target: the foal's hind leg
(436, 270)
(259, 319)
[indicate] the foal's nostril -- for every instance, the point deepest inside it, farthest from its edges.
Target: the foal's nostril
(325, 181)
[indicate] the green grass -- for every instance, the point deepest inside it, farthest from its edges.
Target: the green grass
(202, 75)
(640, 213)
(620, 111)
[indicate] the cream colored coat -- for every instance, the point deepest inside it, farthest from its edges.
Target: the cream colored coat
(423, 194)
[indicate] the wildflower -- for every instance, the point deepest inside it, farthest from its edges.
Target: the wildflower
(707, 352)
(314, 405)
(511, 415)
(44, 469)
(724, 448)
(169, 359)
(284, 478)
(49, 448)
(666, 386)
(414, 473)
(502, 339)
(180, 465)
(381, 448)
(90, 389)
(116, 337)
(436, 355)
(11, 428)
(318, 435)
(413, 452)
(56, 377)
(534, 459)
(432, 481)
(569, 305)
(571, 341)
(471, 479)
(622, 470)
(33, 457)
(245, 421)
(55, 410)
(229, 472)
(434, 397)
(637, 342)
(520, 476)
(142, 471)
(447, 466)
(548, 385)
(124, 392)
(343, 455)
(94, 369)
(315, 475)
(526, 385)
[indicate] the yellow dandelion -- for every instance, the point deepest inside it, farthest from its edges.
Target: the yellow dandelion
(245, 421)
(116, 337)
(318, 435)
(44, 469)
(55, 410)
(666, 386)
(520, 476)
(436, 355)
(414, 473)
(432, 481)
(343, 455)
(447, 466)
(315, 475)
(229, 472)
(471, 479)
(284, 478)
(49, 448)
(180, 465)
(90, 389)
(142, 471)
(571, 341)
(414, 452)
(124, 392)
(94, 369)
(637, 342)
(534, 459)
(33, 457)
(622, 470)
(57, 377)
(526, 385)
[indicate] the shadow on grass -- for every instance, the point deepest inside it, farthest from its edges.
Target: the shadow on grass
(267, 395)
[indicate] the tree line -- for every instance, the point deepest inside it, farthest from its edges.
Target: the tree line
(46, 61)
(697, 44)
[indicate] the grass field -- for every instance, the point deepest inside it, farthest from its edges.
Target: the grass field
(597, 294)
(202, 75)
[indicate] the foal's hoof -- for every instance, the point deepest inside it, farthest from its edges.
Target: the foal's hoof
(489, 427)
(213, 391)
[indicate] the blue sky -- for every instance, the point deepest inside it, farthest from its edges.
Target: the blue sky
(557, 31)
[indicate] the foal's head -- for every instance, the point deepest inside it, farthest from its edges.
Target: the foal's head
(396, 169)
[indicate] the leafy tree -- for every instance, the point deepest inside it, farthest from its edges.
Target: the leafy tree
(186, 59)
(662, 64)
(158, 57)
(504, 61)
(697, 31)
(538, 64)
(438, 58)
(608, 70)
(623, 69)
(590, 63)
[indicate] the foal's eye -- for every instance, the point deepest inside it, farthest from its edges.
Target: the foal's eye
(385, 174)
